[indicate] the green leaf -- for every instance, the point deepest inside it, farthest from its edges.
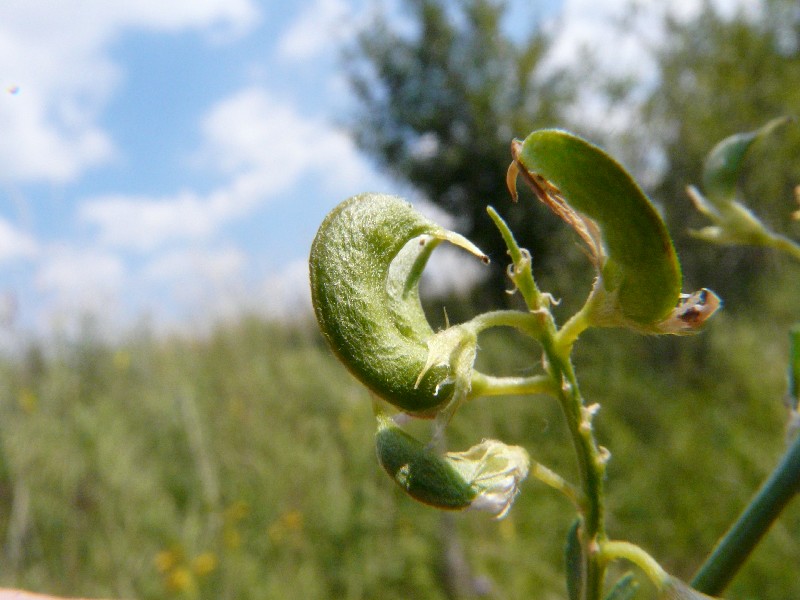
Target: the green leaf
(365, 265)
(573, 554)
(625, 588)
(793, 374)
(724, 163)
(626, 237)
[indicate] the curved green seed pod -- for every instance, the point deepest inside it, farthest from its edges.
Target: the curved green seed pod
(732, 222)
(365, 265)
(626, 238)
(633, 246)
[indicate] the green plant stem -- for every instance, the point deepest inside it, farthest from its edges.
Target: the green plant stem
(520, 272)
(633, 553)
(784, 244)
(489, 385)
(591, 465)
(740, 540)
(532, 324)
(557, 347)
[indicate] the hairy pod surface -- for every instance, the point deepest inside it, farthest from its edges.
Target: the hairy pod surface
(365, 265)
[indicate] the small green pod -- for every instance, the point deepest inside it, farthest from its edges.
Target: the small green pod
(365, 265)
(424, 475)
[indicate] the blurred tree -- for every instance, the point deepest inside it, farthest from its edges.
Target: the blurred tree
(438, 105)
(718, 76)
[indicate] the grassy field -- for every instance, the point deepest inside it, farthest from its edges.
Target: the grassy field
(241, 465)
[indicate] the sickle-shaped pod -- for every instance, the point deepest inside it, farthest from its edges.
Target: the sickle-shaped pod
(365, 266)
(625, 235)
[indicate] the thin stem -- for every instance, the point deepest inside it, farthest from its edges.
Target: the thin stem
(784, 244)
(557, 347)
(611, 550)
(532, 324)
(555, 481)
(489, 385)
(579, 322)
(591, 465)
(520, 271)
(743, 536)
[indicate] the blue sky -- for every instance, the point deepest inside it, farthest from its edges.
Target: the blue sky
(170, 161)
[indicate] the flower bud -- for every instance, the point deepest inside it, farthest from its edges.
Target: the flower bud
(485, 477)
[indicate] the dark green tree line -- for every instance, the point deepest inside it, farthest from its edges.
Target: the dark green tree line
(438, 103)
(438, 107)
(718, 76)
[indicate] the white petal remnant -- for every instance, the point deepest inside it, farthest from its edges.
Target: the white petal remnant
(692, 311)
(495, 471)
(675, 589)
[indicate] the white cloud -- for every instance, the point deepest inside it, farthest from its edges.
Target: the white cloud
(194, 267)
(54, 55)
(15, 244)
(254, 132)
(263, 146)
(286, 293)
(143, 223)
(318, 29)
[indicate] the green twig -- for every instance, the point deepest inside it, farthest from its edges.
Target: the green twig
(743, 536)
(489, 385)
(633, 553)
(557, 347)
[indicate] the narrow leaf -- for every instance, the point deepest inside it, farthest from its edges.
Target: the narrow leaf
(573, 554)
(724, 163)
(624, 589)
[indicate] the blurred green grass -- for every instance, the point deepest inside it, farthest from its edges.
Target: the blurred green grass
(241, 465)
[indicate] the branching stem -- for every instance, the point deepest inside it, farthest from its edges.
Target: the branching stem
(557, 347)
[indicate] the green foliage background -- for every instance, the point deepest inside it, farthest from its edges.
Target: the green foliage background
(242, 466)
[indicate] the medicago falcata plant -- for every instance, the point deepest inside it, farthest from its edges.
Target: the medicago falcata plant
(365, 267)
